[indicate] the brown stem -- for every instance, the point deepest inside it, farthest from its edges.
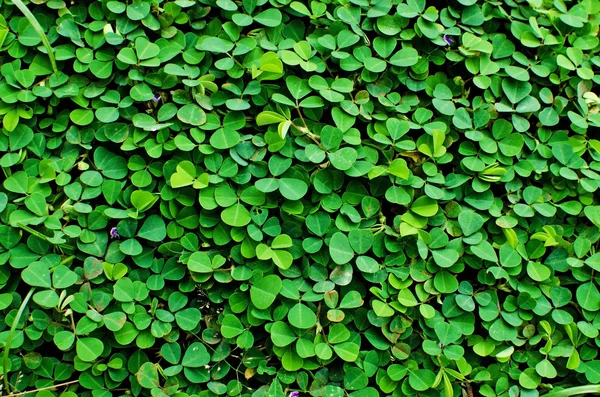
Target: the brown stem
(308, 134)
(43, 388)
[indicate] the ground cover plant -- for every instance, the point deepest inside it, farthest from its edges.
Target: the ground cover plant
(334, 198)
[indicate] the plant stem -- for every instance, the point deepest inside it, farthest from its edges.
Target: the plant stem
(66, 260)
(43, 388)
(308, 134)
(11, 334)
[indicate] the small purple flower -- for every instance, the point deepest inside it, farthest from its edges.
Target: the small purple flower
(449, 40)
(294, 394)
(156, 98)
(114, 233)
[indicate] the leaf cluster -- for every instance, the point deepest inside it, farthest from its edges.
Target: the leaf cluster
(341, 198)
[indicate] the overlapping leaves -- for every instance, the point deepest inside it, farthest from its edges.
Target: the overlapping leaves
(343, 198)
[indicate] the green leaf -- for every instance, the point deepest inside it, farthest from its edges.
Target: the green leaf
(343, 159)
(224, 138)
(511, 145)
(545, 369)
(472, 16)
(17, 183)
(89, 349)
(114, 321)
(470, 222)
(351, 300)
(20, 137)
(281, 334)
(270, 17)
(145, 49)
(538, 272)
(268, 117)
(588, 296)
(529, 379)
(231, 326)
(515, 90)
(37, 275)
(347, 351)
(282, 259)
(188, 319)
(407, 298)
(381, 309)
(484, 250)
(592, 372)
(124, 290)
(153, 229)
(131, 247)
(200, 262)
(405, 57)
(100, 69)
(191, 114)
(264, 292)
(445, 282)
(64, 340)
(147, 375)
(138, 11)
(462, 119)
(141, 93)
(184, 176)
(445, 257)
(301, 316)
(421, 379)
(367, 264)
(82, 116)
(424, 206)
(292, 189)
(446, 333)
(237, 216)
(127, 56)
(500, 330)
(195, 356)
(375, 65)
(298, 87)
(562, 152)
(339, 249)
(63, 277)
(143, 200)
(399, 168)
(593, 214)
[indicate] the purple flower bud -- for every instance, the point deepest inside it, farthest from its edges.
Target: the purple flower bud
(114, 233)
(294, 394)
(156, 98)
(448, 39)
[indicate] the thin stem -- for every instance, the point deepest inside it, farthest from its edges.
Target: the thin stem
(66, 260)
(44, 388)
(11, 335)
(300, 114)
(38, 29)
(304, 131)
(43, 236)
(235, 60)
(309, 134)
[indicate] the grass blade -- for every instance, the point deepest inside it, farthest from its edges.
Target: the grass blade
(38, 29)
(575, 391)
(10, 337)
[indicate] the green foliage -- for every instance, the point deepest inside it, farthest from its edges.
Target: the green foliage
(341, 198)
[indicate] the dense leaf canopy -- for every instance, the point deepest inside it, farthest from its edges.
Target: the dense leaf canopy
(343, 198)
